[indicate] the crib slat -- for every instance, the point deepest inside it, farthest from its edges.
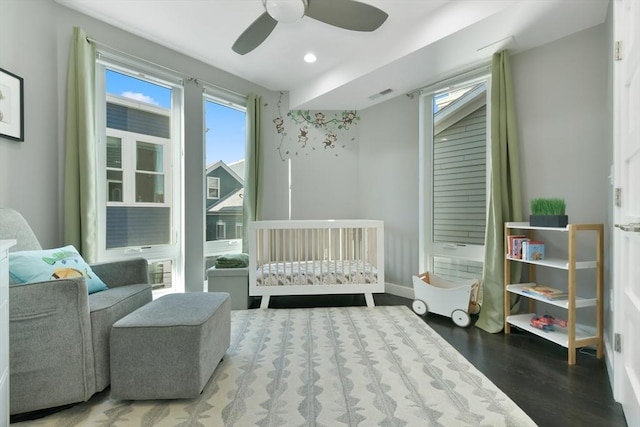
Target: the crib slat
(298, 245)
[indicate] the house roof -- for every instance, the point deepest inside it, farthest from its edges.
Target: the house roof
(465, 103)
(232, 203)
(232, 172)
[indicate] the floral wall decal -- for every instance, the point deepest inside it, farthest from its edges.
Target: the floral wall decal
(303, 131)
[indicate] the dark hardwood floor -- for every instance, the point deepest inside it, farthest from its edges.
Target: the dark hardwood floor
(533, 372)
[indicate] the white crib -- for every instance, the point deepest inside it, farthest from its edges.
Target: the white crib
(313, 257)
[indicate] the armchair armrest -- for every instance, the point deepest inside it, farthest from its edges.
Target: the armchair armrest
(121, 273)
(51, 352)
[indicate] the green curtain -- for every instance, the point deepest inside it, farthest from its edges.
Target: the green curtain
(80, 193)
(504, 198)
(252, 201)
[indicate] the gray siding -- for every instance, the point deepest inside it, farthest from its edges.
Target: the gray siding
(138, 226)
(229, 215)
(230, 221)
(137, 121)
(459, 181)
(457, 270)
(228, 184)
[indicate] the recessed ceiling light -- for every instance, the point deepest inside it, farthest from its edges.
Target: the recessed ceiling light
(310, 57)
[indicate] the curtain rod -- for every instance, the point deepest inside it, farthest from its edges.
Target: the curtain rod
(186, 77)
(448, 80)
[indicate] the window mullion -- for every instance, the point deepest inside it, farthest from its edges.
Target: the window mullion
(129, 169)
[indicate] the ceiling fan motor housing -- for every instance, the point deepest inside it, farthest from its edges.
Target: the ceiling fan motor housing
(285, 10)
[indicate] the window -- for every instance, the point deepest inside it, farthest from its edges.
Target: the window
(213, 187)
(139, 166)
(221, 230)
(455, 185)
(114, 169)
(136, 167)
(225, 138)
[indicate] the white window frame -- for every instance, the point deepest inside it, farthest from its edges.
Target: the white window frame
(428, 249)
(210, 184)
(173, 158)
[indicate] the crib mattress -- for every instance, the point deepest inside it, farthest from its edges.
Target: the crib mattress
(325, 272)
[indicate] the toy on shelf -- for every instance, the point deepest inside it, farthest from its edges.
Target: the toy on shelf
(547, 322)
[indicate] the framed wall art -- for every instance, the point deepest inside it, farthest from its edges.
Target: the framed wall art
(11, 106)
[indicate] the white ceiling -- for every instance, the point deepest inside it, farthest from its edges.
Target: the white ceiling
(421, 42)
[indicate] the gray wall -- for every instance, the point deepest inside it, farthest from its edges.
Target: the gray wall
(31, 172)
(324, 179)
(561, 94)
(388, 183)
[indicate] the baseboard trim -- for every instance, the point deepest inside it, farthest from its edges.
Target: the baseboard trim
(609, 356)
(398, 290)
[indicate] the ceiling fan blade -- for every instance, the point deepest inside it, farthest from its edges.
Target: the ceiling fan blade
(347, 14)
(255, 34)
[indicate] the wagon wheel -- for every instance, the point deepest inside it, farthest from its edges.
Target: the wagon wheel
(460, 318)
(420, 307)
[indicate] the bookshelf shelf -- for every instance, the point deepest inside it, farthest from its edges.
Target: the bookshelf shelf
(562, 264)
(573, 336)
(562, 303)
(559, 336)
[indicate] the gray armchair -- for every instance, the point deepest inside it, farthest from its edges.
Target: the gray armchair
(58, 334)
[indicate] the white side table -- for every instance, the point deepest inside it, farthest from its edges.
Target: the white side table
(235, 281)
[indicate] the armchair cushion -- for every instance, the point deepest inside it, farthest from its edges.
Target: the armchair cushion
(51, 264)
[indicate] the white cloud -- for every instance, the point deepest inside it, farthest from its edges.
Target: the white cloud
(140, 97)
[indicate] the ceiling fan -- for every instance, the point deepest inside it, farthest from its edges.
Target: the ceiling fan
(347, 14)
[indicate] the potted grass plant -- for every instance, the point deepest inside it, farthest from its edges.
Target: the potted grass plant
(548, 212)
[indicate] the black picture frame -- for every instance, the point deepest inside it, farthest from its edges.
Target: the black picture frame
(11, 106)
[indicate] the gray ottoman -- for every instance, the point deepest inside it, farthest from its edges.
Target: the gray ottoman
(169, 348)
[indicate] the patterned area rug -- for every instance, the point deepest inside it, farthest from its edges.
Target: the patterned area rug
(342, 366)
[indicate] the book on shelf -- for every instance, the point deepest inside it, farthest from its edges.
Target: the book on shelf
(532, 250)
(546, 292)
(515, 245)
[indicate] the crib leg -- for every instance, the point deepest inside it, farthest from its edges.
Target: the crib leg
(369, 298)
(265, 301)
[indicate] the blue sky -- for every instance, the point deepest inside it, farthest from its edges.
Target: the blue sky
(225, 136)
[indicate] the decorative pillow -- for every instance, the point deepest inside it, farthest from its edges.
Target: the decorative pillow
(51, 264)
(232, 261)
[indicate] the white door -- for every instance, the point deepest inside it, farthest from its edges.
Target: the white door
(627, 213)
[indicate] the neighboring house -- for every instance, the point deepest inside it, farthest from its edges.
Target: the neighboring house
(138, 186)
(460, 179)
(225, 189)
(460, 172)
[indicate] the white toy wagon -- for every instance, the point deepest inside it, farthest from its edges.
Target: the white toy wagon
(437, 295)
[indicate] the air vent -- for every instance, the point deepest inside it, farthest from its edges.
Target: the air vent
(381, 93)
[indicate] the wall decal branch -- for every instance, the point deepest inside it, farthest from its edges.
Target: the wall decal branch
(314, 129)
